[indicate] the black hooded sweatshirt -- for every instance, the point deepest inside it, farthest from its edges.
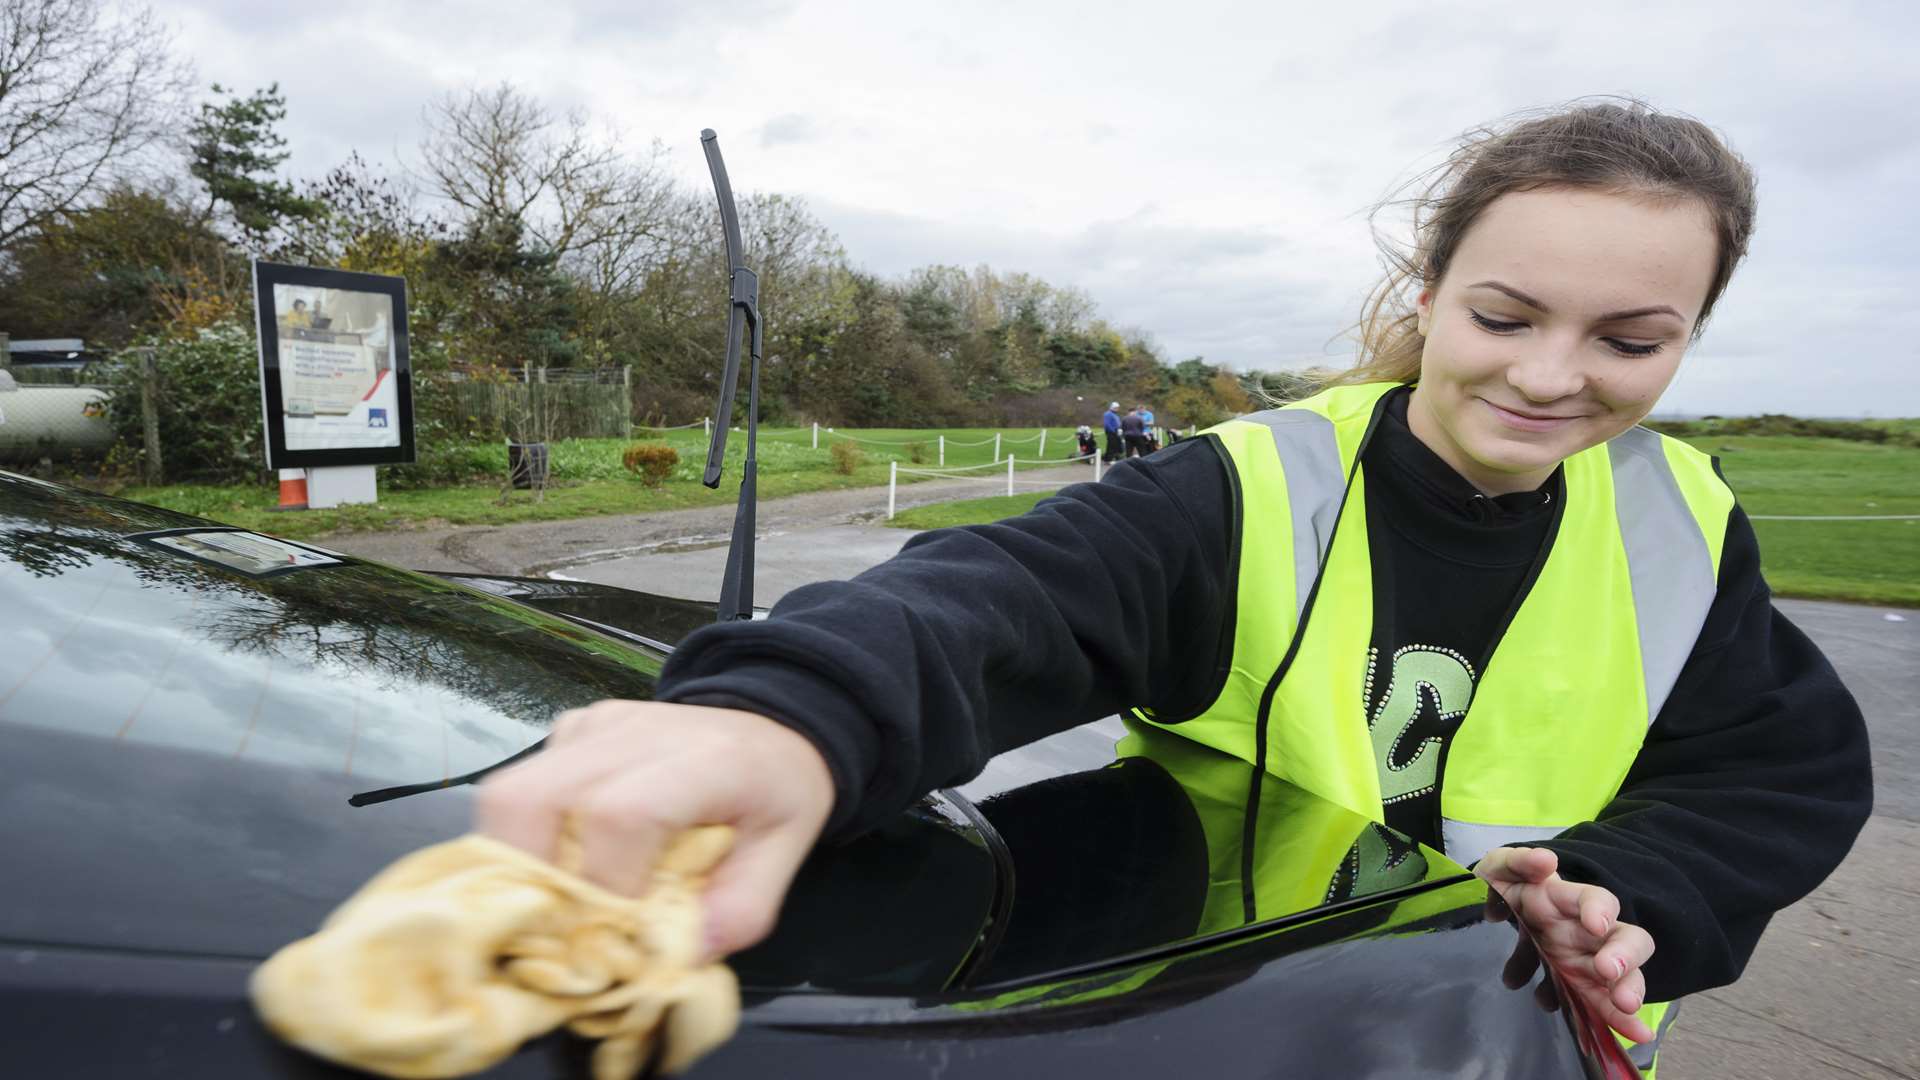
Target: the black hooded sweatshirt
(1750, 788)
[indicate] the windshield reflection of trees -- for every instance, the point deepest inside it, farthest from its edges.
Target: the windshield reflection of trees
(402, 630)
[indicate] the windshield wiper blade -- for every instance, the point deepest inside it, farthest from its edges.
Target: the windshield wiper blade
(368, 798)
(743, 321)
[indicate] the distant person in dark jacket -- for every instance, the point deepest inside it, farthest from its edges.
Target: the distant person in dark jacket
(1111, 421)
(1134, 430)
(1088, 447)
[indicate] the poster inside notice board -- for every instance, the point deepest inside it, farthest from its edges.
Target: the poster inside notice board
(336, 387)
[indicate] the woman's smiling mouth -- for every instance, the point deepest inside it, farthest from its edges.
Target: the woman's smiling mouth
(1535, 422)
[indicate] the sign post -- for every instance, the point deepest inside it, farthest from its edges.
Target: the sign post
(336, 384)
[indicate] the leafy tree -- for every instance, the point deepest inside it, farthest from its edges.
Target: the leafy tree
(140, 261)
(516, 307)
(233, 149)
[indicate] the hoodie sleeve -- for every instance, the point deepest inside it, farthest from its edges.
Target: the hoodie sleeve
(976, 640)
(1751, 786)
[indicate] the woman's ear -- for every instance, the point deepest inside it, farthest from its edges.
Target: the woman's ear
(1423, 309)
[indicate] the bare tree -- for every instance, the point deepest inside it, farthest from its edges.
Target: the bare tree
(498, 154)
(83, 90)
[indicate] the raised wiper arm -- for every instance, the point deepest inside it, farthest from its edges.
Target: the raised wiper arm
(743, 321)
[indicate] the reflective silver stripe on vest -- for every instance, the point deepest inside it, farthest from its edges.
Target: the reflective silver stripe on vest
(1643, 1054)
(1466, 841)
(1316, 482)
(1672, 569)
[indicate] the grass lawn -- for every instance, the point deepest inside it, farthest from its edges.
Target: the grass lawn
(1873, 561)
(588, 480)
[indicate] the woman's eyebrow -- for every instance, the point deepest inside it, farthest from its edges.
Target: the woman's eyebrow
(1611, 316)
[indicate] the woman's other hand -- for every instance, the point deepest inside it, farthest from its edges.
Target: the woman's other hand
(1577, 929)
(633, 774)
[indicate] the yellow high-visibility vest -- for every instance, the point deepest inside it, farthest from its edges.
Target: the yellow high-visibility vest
(1559, 714)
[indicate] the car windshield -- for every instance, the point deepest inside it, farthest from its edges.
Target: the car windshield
(135, 625)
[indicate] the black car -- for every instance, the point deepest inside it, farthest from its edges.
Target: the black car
(186, 711)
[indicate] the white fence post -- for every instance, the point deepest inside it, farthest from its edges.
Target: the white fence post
(996, 446)
(943, 451)
(893, 481)
(1042, 455)
(816, 434)
(1096, 468)
(706, 426)
(1009, 474)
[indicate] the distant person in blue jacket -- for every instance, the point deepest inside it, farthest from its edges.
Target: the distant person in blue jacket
(1146, 418)
(1111, 421)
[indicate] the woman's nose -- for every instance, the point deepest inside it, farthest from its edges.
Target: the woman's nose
(1546, 372)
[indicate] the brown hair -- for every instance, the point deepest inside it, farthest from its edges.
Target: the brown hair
(1611, 144)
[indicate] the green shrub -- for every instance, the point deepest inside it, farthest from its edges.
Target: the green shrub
(440, 460)
(846, 457)
(917, 453)
(209, 404)
(1778, 424)
(651, 462)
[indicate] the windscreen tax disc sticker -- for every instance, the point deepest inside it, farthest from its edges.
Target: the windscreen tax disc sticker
(248, 552)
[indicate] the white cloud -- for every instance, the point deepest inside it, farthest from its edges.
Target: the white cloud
(1202, 169)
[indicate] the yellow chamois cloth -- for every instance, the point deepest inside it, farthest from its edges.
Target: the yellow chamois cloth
(449, 959)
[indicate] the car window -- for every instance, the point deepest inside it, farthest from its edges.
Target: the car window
(357, 669)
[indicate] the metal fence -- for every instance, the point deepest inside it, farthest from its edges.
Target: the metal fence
(48, 375)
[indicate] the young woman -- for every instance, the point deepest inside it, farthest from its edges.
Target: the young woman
(1458, 591)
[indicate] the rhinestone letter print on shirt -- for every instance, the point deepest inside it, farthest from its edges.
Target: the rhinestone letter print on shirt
(1428, 690)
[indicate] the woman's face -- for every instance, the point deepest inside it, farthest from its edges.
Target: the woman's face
(1558, 324)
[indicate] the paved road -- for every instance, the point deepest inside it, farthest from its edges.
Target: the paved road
(783, 561)
(1834, 988)
(540, 547)
(1832, 991)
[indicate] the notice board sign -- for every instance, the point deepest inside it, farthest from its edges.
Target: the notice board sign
(335, 384)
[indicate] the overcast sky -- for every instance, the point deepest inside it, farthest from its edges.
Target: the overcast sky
(1203, 170)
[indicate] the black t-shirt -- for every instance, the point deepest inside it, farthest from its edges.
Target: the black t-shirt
(1450, 566)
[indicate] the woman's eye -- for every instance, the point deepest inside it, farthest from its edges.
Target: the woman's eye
(1494, 325)
(1628, 348)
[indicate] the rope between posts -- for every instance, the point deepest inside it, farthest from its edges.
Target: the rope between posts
(930, 438)
(998, 481)
(870, 442)
(675, 427)
(1001, 465)
(950, 470)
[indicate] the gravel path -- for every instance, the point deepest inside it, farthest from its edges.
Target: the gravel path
(536, 547)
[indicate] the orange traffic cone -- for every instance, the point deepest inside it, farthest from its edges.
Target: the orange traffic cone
(293, 489)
